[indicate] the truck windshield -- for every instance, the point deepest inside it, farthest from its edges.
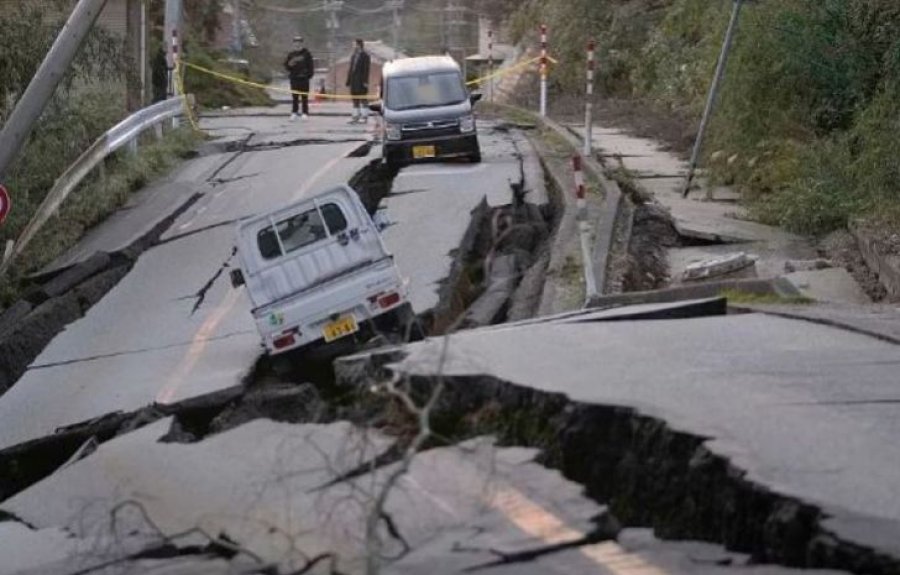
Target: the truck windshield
(424, 91)
(300, 230)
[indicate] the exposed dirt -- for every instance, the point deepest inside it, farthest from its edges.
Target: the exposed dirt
(637, 117)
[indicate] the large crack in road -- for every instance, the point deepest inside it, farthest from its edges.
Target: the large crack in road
(648, 474)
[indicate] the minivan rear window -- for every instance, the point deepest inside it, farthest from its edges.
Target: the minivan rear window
(300, 230)
(424, 91)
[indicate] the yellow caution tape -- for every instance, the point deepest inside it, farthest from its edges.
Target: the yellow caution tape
(179, 90)
(508, 70)
(238, 80)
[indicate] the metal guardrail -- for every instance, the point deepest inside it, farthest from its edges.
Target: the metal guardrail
(125, 133)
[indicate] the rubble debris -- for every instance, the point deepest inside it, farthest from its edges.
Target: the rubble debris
(728, 265)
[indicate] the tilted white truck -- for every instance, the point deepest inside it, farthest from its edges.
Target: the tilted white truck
(317, 272)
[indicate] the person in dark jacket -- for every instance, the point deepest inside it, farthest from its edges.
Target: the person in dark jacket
(300, 67)
(358, 81)
(159, 76)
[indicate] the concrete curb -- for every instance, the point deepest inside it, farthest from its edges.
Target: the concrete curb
(885, 266)
(553, 297)
(777, 287)
(605, 225)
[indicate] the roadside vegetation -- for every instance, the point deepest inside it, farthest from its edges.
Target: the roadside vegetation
(203, 25)
(809, 114)
(79, 112)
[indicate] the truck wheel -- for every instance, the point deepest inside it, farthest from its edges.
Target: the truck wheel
(406, 325)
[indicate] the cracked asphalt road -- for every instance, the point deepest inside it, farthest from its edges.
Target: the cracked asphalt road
(174, 328)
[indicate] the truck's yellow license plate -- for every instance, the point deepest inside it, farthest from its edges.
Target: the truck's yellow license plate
(339, 328)
(420, 152)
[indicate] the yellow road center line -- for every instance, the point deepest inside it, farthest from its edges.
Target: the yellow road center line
(198, 346)
(200, 340)
(536, 521)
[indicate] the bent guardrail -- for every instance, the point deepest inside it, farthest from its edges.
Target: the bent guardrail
(125, 133)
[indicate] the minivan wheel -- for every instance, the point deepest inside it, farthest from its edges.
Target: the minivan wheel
(475, 154)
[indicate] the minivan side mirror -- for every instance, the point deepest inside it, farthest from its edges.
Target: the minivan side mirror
(475, 97)
(237, 278)
(376, 107)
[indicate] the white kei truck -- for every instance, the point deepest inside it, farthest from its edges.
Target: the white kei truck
(319, 276)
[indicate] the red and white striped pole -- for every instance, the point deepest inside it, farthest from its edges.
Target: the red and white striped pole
(491, 66)
(584, 229)
(176, 70)
(173, 65)
(543, 70)
(589, 104)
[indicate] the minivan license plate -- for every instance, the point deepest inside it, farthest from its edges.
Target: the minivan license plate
(420, 152)
(339, 328)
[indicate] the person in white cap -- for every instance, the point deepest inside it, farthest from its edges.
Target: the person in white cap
(300, 67)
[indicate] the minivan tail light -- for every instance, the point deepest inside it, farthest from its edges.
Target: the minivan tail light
(389, 300)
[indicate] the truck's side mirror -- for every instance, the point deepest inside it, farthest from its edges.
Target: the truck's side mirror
(237, 278)
(475, 97)
(376, 107)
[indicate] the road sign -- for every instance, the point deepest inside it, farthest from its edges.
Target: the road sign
(4, 203)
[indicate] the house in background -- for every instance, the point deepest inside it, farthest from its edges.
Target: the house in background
(479, 64)
(379, 52)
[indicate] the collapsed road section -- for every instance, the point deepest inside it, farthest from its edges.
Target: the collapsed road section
(619, 401)
(390, 468)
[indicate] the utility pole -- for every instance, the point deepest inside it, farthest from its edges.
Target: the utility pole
(332, 7)
(236, 41)
(396, 6)
(453, 23)
(54, 67)
(711, 98)
(543, 95)
(491, 66)
(145, 96)
(171, 37)
(134, 40)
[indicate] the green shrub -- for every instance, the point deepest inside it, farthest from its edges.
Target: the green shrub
(809, 109)
(213, 92)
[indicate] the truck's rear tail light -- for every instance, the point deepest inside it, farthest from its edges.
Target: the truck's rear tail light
(286, 339)
(388, 300)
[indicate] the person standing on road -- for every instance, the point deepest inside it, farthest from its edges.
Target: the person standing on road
(300, 67)
(358, 81)
(159, 76)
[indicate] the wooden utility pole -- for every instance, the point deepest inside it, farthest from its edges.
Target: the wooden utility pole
(713, 94)
(39, 91)
(135, 42)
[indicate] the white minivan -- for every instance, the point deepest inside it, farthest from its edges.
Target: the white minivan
(317, 272)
